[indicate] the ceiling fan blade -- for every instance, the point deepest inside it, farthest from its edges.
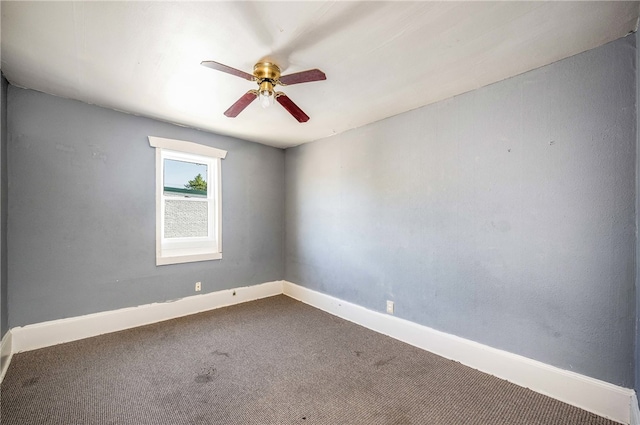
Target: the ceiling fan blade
(242, 103)
(224, 68)
(303, 77)
(292, 108)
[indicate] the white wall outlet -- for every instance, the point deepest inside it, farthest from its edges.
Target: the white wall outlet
(198, 286)
(389, 307)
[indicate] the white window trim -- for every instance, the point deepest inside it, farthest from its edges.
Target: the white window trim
(178, 255)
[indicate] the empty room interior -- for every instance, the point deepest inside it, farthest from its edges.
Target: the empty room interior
(319, 212)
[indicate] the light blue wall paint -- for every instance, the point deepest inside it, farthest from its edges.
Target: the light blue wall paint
(505, 215)
(82, 211)
(4, 322)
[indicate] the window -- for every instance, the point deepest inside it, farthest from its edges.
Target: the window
(188, 201)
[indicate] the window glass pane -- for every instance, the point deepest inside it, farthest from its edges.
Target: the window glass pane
(183, 178)
(185, 219)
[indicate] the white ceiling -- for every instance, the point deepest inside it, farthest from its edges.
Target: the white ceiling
(380, 58)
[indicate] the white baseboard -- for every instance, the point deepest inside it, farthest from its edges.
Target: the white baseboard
(599, 397)
(32, 337)
(6, 353)
(635, 410)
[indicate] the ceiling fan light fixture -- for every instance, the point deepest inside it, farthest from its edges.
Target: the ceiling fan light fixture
(266, 94)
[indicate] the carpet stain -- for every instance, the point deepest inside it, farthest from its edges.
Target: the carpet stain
(206, 376)
(203, 379)
(358, 353)
(384, 362)
(30, 382)
(220, 353)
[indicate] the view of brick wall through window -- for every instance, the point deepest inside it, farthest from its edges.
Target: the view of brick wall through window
(184, 219)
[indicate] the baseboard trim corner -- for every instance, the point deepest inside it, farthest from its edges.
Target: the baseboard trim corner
(593, 395)
(45, 334)
(635, 410)
(6, 354)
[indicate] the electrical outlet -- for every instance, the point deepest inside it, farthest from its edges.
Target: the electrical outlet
(389, 307)
(198, 286)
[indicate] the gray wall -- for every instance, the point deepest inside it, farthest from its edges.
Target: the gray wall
(82, 211)
(4, 322)
(505, 215)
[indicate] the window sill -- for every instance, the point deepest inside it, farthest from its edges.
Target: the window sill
(162, 261)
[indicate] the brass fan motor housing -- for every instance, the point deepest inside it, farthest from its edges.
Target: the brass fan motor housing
(266, 71)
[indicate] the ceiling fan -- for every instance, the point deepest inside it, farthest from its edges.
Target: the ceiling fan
(267, 75)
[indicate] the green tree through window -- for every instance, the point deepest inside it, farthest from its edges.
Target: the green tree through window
(198, 183)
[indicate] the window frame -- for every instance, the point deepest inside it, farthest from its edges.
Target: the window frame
(189, 249)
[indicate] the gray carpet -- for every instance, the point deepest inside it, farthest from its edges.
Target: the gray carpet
(273, 361)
